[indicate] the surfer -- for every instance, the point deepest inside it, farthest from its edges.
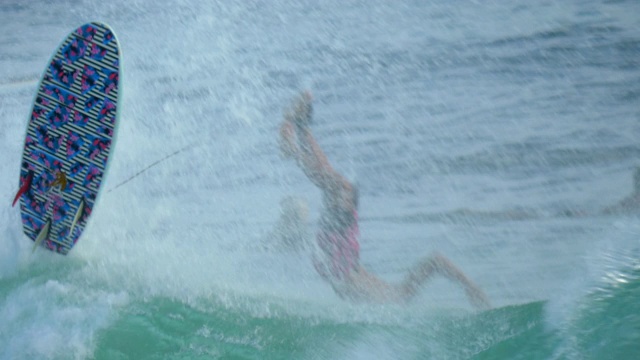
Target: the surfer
(338, 257)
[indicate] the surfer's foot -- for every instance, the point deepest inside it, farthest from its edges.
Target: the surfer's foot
(288, 143)
(477, 298)
(301, 111)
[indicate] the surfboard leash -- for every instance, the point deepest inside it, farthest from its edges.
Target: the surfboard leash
(151, 165)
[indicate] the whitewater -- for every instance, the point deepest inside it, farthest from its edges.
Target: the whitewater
(494, 133)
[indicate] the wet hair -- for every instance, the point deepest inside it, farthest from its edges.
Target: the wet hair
(294, 208)
(291, 232)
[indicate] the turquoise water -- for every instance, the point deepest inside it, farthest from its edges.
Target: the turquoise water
(494, 134)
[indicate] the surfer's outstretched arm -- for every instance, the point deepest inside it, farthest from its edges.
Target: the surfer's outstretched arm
(438, 264)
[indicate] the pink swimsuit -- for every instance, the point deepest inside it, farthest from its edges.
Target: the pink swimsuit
(340, 252)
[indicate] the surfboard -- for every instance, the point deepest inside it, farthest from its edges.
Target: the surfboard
(70, 137)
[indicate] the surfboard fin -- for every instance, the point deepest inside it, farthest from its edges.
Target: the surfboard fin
(77, 217)
(23, 189)
(44, 233)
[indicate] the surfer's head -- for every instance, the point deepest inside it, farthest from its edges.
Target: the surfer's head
(293, 224)
(294, 209)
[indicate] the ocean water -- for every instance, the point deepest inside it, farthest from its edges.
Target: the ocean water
(492, 132)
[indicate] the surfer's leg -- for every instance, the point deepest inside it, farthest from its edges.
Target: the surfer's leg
(438, 264)
(367, 287)
(298, 141)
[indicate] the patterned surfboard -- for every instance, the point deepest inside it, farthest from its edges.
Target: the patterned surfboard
(70, 137)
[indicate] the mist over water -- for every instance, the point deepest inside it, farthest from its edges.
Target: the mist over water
(492, 133)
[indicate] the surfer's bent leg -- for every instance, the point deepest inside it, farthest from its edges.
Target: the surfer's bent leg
(438, 264)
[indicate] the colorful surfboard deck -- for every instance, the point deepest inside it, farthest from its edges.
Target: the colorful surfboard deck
(70, 137)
